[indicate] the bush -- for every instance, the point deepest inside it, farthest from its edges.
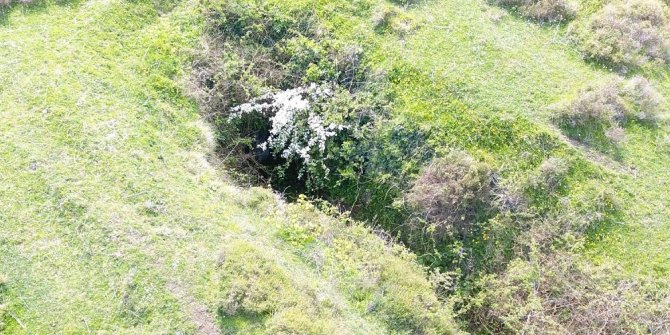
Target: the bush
(600, 113)
(390, 19)
(644, 102)
(451, 195)
(627, 33)
(258, 53)
(305, 134)
(560, 294)
(597, 104)
(256, 47)
(542, 10)
(550, 175)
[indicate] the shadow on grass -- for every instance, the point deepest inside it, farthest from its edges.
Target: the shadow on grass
(41, 6)
(593, 134)
(31, 7)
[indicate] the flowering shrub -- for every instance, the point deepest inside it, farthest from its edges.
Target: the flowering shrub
(257, 47)
(298, 127)
(307, 131)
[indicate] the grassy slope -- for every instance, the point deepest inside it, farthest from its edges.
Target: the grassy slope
(486, 79)
(500, 64)
(88, 104)
(113, 221)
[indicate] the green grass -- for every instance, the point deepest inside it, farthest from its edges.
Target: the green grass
(113, 219)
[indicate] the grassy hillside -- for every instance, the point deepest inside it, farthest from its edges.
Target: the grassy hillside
(119, 215)
(505, 65)
(115, 221)
(470, 77)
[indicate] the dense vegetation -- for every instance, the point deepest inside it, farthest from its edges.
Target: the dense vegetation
(442, 183)
(457, 165)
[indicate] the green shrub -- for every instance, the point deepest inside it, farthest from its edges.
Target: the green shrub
(307, 134)
(542, 10)
(257, 52)
(451, 195)
(256, 47)
(627, 33)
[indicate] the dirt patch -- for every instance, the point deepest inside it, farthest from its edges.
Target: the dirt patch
(197, 311)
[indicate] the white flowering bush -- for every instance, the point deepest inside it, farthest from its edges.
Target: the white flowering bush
(301, 124)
